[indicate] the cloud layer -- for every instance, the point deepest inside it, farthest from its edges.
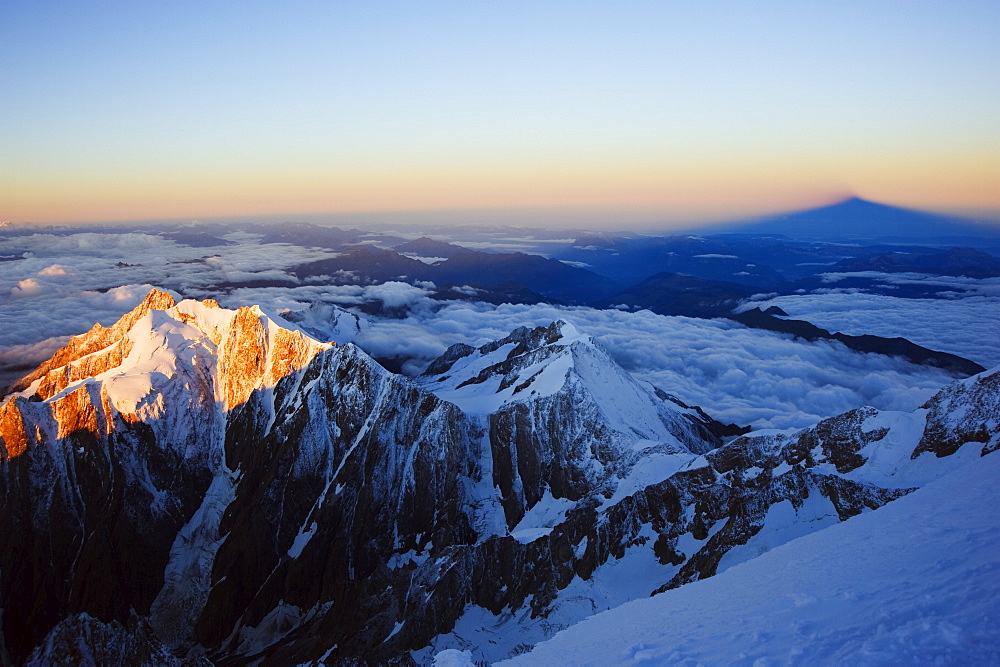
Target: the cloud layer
(68, 282)
(737, 374)
(968, 327)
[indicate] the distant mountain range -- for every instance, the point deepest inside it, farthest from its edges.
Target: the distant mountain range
(953, 262)
(695, 275)
(549, 277)
(196, 485)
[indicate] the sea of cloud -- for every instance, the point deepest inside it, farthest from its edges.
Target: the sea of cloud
(738, 374)
(968, 324)
(959, 285)
(65, 283)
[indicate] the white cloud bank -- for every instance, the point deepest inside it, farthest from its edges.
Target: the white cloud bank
(54, 270)
(968, 327)
(66, 283)
(739, 375)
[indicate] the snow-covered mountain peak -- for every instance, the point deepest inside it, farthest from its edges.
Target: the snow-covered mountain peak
(560, 360)
(560, 332)
(526, 365)
(97, 339)
(246, 348)
(217, 322)
(190, 353)
(480, 380)
(327, 321)
(965, 411)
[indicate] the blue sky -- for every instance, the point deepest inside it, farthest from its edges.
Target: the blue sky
(635, 110)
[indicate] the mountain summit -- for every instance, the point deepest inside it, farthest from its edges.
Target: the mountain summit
(199, 483)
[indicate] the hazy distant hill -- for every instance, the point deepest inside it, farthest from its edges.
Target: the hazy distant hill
(548, 277)
(425, 247)
(677, 294)
(758, 262)
(953, 262)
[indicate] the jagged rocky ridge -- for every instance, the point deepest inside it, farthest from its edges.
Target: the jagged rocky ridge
(196, 482)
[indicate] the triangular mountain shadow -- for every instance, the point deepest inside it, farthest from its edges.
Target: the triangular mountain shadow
(855, 218)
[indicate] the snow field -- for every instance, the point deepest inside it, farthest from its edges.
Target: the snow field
(917, 581)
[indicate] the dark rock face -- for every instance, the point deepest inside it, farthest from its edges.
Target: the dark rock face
(450, 356)
(84, 640)
(707, 428)
(290, 501)
(95, 510)
(741, 507)
(964, 412)
(375, 468)
(837, 440)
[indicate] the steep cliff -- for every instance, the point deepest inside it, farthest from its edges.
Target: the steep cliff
(203, 483)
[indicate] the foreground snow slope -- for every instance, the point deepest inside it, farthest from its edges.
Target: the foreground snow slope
(916, 581)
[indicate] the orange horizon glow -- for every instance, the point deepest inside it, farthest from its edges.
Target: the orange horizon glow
(701, 193)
